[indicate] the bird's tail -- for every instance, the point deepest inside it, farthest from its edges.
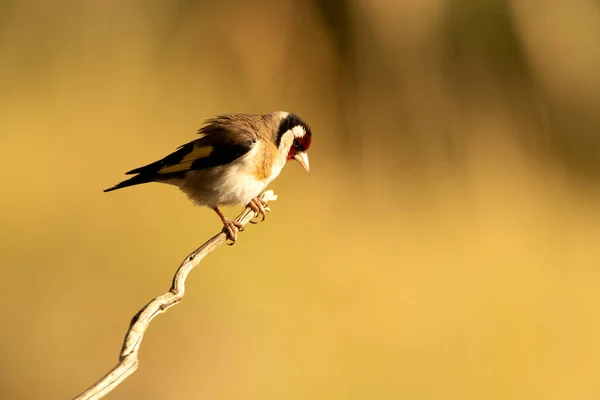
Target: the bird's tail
(136, 180)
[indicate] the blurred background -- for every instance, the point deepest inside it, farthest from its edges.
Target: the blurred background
(446, 245)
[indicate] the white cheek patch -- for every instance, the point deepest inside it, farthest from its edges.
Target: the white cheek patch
(298, 131)
(286, 142)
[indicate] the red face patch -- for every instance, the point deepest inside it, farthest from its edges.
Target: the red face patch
(299, 145)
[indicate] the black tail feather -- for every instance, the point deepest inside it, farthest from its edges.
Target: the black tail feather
(146, 169)
(149, 172)
(136, 180)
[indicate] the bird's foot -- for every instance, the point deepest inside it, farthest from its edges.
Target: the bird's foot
(259, 206)
(231, 227)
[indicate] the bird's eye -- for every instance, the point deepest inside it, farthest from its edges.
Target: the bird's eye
(296, 144)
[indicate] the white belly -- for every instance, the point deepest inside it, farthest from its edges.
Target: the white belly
(230, 185)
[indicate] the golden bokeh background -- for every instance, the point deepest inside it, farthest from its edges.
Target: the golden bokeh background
(446, 246)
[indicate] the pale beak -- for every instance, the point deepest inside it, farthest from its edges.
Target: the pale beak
(302, 158)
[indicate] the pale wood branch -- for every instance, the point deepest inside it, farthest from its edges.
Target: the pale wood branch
(128, 360)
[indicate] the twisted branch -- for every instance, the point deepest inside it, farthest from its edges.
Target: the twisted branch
(128, 360)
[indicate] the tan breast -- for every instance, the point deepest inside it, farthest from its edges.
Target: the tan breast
(265, 160)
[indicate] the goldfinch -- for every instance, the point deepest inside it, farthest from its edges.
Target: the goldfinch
(232, 161)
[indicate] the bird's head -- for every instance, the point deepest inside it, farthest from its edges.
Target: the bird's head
(294, 138)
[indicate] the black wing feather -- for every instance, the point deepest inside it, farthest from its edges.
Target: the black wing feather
(226, 142)
(171, 159)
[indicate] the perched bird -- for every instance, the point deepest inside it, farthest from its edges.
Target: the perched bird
(232, 161)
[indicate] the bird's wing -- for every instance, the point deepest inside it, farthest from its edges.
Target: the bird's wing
(217, 145)
(221, 141)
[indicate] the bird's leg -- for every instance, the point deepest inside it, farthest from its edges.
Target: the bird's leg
(230, 226)
(259, 206)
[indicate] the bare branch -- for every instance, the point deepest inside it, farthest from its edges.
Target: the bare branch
(128, 360)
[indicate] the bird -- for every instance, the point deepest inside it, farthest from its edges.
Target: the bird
(231, 162)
